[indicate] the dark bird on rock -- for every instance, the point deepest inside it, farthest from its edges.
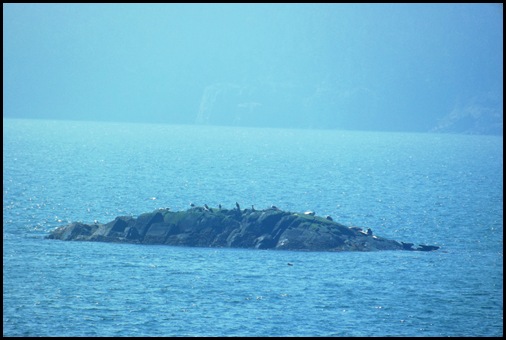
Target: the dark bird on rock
(369, 231)
(205, 206)
(252, 207)
(238, 206)
(329, 218)
(219, 206)
(192, 205)
(274, 207)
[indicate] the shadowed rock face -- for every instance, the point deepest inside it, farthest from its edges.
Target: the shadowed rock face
(261, 229)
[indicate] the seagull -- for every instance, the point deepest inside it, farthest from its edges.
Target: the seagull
(309, 213)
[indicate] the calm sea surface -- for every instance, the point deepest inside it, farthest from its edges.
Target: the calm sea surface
(437, 189)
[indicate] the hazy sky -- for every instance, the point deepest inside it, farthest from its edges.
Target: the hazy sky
(391, 67)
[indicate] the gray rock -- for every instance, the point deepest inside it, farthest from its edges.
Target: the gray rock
(260, 229)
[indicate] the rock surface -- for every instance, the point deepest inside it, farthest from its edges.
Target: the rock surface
(260, 229)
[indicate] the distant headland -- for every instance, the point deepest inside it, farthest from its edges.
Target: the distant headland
(269, 228)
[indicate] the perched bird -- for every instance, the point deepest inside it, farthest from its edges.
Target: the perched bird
(238, 206)
(252, 207)
(219, 206)
(192, 205)
(329, 218)
(369, 231)
(274, 207)
(311, 213)
(205, 206)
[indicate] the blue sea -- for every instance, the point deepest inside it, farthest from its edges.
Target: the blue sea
(438, 189)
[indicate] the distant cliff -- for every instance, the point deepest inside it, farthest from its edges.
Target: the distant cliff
(236, 228)
(330, 105)
(477, 115)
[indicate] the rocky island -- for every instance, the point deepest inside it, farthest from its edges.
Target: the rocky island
(235, 228)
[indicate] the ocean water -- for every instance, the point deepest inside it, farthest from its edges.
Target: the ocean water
(439, 189)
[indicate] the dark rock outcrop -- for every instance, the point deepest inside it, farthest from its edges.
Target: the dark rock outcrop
(261, 229)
